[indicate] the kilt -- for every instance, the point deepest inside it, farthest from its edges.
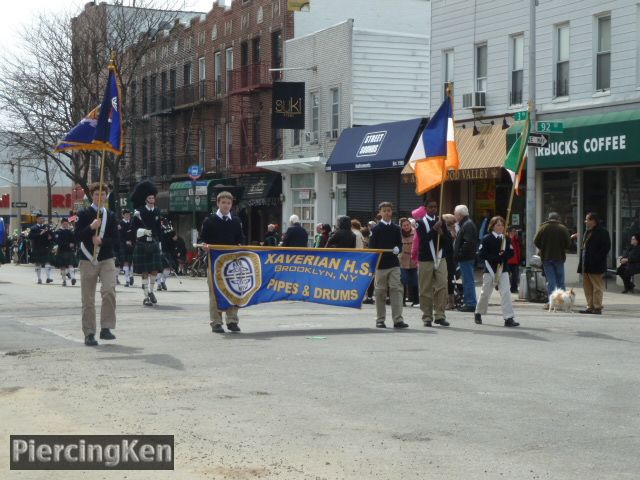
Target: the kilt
(125, 254)
(64, 259)
(40, 256)
(146, 257)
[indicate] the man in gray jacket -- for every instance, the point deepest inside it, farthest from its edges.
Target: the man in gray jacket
(464, 252)
(553, 241)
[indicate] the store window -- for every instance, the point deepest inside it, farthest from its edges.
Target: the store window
(560, 194)
(629, 205)
(303, 193)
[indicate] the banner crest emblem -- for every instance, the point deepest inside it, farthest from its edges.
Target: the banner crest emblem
(238, 276)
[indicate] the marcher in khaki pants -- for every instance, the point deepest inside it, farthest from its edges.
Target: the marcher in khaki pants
(100, 234)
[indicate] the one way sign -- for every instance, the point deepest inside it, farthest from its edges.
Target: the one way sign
(538, 140)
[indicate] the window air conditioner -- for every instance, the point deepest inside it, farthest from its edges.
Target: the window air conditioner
(474, 100)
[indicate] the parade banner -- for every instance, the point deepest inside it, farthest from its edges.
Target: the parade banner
(244, 276)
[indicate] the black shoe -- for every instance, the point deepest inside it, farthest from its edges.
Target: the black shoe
(105, 334)
(69, 276)
(153, 298)
(164, 286)
(367, 301)
(400, 324)
(510, 322)
(49, 280)
(233, 327)
(380, 325)
(478, 318)
(388, 301)
(73, 281)
(442, 322)
(217, 328)
(587, 310)
(415, 304)
(39, 281)
(428, 323)
(597, 311)
(90, 340)
(147, 302)
(131, 280)
(64, 283)
(467, 308)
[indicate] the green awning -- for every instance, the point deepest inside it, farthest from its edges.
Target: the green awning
(590, 140)
(182, 200)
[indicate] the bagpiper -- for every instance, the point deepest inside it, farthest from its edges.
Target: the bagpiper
(147, 259)
(41, 237)
(66, 256)
(127, 244)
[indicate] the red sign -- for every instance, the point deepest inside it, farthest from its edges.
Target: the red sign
(5, 200)
(57, 201)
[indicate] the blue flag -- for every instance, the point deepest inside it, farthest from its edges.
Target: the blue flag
(102, 127)
(244, 276)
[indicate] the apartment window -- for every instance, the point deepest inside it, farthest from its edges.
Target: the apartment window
(172, 154)
(562, 61)
(145, 158)
(335, 112)
(517, 68)
(229, 144)
(152, 157)
(217, 71)
(302, 189)
(219, 146)
(133, 95)
(296, 138)
(603, 55)
(172, 87)
(144, 96)
(315, 117)
(256, 50)
(202, 75)
(276, 53)
(187, 78)
(256, 134)
(481, 68)
(163, 89)
(447, 70)
(201, 148)
(229, 65)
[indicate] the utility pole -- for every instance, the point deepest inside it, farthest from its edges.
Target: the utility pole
(531, 154)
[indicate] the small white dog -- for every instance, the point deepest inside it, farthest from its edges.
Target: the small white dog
(562, 300)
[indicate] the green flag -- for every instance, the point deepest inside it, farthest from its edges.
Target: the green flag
(516, 157)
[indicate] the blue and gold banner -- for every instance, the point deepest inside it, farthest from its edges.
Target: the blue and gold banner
(244, 276)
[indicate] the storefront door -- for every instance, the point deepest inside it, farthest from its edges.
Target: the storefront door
(598, 195)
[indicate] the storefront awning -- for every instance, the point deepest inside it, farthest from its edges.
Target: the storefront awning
(387, 145)
(295, 165)
(260, 189)
(481, 156)
(181, 199)
(589, 140)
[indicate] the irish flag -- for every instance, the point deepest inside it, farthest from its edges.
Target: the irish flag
(517, 157)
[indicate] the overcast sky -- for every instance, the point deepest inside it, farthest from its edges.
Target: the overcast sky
(21, 13)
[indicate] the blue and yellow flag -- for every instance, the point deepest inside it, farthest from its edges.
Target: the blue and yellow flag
(103, 127)
(244, 276)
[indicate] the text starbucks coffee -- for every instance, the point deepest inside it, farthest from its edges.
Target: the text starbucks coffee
(588, 145)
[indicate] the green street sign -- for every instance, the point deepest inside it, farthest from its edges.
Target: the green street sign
(519, 116)
(549, 127)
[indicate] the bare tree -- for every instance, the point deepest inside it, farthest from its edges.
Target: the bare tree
(58, 75)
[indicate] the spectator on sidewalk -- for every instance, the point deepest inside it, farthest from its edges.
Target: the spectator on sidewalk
(408, 265)
(593, 262)
(630, 264)
(553, 241)
(464, 252)
(296, 235)
(355, 228)
(343, 237)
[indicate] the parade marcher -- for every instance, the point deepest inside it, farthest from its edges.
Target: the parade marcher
(630, 264)
(168, 239)
(355, 228)
(450, 222)
(366, 234)
(432, 265)
(147, 259)
(66, 256)
(553, 240)
(495, 259)
(3, 242)
(464, 252)
(222, 228)
(387, 236)
(102, 234)
(343, 237)
(596, 244)
(127, 244)
(296, 235)
(41, 236)
(181, 254)
(513, 264)
(408, 266)
(271, 239)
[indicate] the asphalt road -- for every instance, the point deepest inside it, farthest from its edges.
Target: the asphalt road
(314, 392)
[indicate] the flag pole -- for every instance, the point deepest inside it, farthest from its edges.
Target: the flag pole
(95, 249)
(443, 180)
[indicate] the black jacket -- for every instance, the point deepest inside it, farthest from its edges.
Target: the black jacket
(64, 238)
(127, 233)
(216, 231)
(271, 239)
(41, 237)
(466, 243)
(84, 234)
(343, 237)
(149, 220)
(296, 236)
(386, 237)
(490, 251)
(424, 237)
(632, 254)
(595, 249)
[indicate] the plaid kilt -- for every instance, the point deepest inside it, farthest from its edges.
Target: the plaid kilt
(125, 254)
(64, 259)
(40, 256)
(146, 257)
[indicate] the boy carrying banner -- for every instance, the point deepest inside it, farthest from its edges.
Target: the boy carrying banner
(221, 228)
(386, 235)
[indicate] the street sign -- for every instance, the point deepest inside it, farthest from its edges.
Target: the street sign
(519, 116)
(194, 172)
(549, 127)
(538, 139)
(18, 204)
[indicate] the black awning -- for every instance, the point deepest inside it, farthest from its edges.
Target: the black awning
(387, 145)
(260, 188)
